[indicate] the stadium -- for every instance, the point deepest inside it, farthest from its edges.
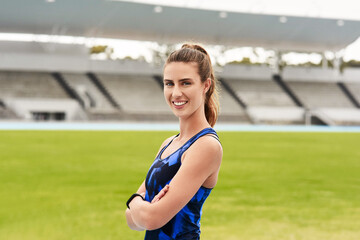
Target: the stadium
(290, 131)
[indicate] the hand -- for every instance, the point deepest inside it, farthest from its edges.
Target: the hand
(136, 198)
(160, 194)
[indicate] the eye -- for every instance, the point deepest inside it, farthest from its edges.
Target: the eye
(167, 83)
(186, 83)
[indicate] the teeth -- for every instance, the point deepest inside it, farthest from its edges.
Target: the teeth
(179, 103)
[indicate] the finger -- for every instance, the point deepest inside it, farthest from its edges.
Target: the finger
(163, 191)
(160, 194)
(157, 197)
(154, 199)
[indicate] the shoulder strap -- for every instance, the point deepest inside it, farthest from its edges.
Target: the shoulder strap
(216, 137)
(199, 135)
(163, 149)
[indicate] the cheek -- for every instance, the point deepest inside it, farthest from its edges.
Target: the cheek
(198, 96)
(166, 94)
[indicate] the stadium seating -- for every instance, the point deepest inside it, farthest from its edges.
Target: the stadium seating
(277, 115)
(47, 109)
(230, 110)
(354, 89)
(93, 98)
(339, 116)
(29, 85)
(138, 96)
(32, 95)
(323, 93)
(6, 113)
(267, 102)
(135, 93)
(260, 93)
(320, 94)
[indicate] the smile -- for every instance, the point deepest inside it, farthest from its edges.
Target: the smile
(179, 103)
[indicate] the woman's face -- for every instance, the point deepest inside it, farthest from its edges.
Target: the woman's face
(183, 90)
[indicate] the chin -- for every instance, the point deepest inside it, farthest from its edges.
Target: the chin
(179, 114)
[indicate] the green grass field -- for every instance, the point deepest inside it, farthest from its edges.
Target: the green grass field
(272, 186)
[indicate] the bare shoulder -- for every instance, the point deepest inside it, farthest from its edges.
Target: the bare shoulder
(207, 149)
(165, 143)
(210, 143)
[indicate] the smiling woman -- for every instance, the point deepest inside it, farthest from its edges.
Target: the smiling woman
(169, 202)
(182, 84)
(192, 66)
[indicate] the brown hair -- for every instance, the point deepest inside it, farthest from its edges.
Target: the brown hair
(197, 54)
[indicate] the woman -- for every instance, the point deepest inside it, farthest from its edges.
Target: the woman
(169, 202)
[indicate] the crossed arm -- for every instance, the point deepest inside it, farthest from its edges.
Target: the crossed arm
(200, 162)
(129, 219)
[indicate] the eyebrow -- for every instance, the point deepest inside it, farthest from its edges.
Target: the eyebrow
(181, 80)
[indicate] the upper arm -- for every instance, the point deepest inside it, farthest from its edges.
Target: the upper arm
(202, 159)
(142, 188)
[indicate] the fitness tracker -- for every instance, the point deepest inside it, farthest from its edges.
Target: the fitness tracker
(132, 197)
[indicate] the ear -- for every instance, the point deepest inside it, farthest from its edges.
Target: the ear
(207, 85)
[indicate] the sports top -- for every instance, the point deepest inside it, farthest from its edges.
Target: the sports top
(186, 223)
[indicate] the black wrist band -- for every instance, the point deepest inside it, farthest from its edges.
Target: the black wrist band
(132, 197)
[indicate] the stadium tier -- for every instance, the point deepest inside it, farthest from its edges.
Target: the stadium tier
(37, 96)
(260, 93)
(230, 110)
(6, 113)
(355, 89)
(88, 92)
(245, 99)
(320, 95)
(140, 97)
(29, 85)
(266, 101)
(135, 93)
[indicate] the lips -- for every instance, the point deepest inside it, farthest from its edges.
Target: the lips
(179, 104)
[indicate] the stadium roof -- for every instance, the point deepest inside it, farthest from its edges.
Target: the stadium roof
(166, 24)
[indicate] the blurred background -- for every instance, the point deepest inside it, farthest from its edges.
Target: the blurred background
(278, 62)
(289, 73)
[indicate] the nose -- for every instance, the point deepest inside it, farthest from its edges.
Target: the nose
(176, 91)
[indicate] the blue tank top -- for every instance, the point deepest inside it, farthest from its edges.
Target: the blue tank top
(186, 223)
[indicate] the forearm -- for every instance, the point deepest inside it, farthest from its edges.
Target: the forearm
(131, 223)
(144, 214)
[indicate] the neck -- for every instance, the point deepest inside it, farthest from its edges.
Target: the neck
(193, 124)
